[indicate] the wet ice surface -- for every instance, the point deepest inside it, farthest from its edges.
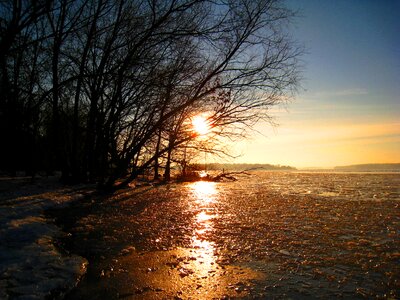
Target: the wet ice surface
(31, 267)
(273, 235)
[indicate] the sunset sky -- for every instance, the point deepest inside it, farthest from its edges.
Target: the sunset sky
(348, 110)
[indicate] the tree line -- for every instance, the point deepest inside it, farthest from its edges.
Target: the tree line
(245, 167)
(102, 90)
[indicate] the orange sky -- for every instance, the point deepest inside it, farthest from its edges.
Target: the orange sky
(329, 145)
(348, 110)
(312, 133)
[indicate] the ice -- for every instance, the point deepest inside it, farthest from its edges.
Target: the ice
(31, 267)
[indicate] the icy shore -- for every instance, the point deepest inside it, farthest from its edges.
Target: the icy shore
(31, 266)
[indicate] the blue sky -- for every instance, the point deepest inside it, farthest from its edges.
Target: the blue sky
(350, 43)
(348, 110)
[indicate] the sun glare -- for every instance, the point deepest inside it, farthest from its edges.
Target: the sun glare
(204, 191)
(201, 125)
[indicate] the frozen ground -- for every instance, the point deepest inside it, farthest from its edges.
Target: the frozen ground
(31, 266)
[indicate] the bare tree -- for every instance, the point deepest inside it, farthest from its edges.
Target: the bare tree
(21, 34)
(239, 50)
(119, 80)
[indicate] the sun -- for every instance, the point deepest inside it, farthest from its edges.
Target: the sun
(201, 125)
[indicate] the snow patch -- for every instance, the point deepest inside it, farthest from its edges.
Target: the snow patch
(31, 267)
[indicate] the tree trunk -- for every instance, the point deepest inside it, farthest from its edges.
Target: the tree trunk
(156, 162)
(167, 174)
(76, 157)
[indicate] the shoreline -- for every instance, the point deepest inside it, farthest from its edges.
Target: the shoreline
(32, 265)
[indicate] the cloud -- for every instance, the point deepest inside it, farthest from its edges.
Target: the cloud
(325, 145)
(361, 131)
(309, 135)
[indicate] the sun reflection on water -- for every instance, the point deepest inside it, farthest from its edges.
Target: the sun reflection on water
(204, 191)
(194, 271)
(202, 217)
(205, 195)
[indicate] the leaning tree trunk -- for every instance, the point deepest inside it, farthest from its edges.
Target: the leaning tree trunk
(156, 162)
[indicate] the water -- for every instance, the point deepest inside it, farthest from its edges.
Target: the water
(346, 186)
(269, 235)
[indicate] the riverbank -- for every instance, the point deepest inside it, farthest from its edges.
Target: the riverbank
(32, 266)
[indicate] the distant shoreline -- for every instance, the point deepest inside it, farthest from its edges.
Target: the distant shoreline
(363, 168)
(333, 171)
(395, 167)
(246, 167)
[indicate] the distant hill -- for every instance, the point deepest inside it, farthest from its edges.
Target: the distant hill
(370, 168)
(243, 167)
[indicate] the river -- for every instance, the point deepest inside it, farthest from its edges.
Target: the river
(271, 235)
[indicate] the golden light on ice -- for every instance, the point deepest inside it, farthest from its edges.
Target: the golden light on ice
(204, 191)
(204, 195)
(203, 174)
(194, 272)
(201, 125)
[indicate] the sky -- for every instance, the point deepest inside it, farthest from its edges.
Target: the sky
(348, 108)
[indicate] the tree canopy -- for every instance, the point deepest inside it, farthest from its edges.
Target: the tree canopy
(105, 89)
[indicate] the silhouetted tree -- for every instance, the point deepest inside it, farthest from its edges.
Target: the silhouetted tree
(114, 83)
(21, 35)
